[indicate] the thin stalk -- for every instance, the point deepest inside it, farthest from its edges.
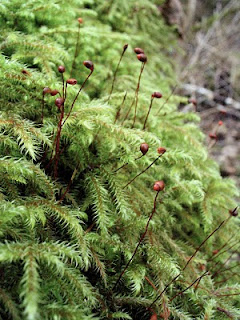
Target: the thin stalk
(227, 269)
(69, 183)
(76, 50)
(217, 255)
(90, 228)
(125, 164)
(196, 251)
(227, 313)
(211, 144)
(181, 292)
(82, 86)
(149, 109)
(151, 284)
(194, 254)
(226, 279)
(197, 285)
(222, 247)
(228, 295)
(161, 107)
(139, 242)
(58, 136)
(120, 107)
(126, 116)
(136, 95)
(42, 108)
(142, 171)
(63, 94)
(202, 288)
(223, 264)
(115, 73)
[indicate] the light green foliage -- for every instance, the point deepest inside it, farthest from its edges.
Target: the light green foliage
(60, 258)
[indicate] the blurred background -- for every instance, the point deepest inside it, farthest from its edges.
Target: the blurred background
(209, 70)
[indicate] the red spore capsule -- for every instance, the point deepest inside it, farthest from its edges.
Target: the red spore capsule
(142, 57)
(72, 81)
(161, 150)
(157, 95)
(138, 50)
(61, 69)
(212, 136)
(89, 64)
(46, 90)
(159, 185)
(59, 102)
(144, 148)
(54, 92)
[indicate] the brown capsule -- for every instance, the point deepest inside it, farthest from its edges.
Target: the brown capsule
(234, 212)
(80, 20)
(159, 185)
(154, 317)
(88, 64)
(54, 92)
(142, 57)
(144, 148)
(71, 81)
(157, 95)
(46, 90)
(161, 150)
(215, 252)
(202, 267)
(25, 72)
(212, 136)
(138, 50)
(193, 101)
(61, 69)
(223, 112)
(125, 47)
(59, 102)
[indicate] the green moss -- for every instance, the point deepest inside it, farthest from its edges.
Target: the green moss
(60, 259)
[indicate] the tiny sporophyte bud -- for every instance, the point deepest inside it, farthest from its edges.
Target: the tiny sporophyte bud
(234, 212)
(88, 64)
(220, 123)
(157, 95)
(59, 102)
(125, 47)
(54, 92)
(72, 81)
(138, 50)
(144, 148)
(142, 57)
(61, 69)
